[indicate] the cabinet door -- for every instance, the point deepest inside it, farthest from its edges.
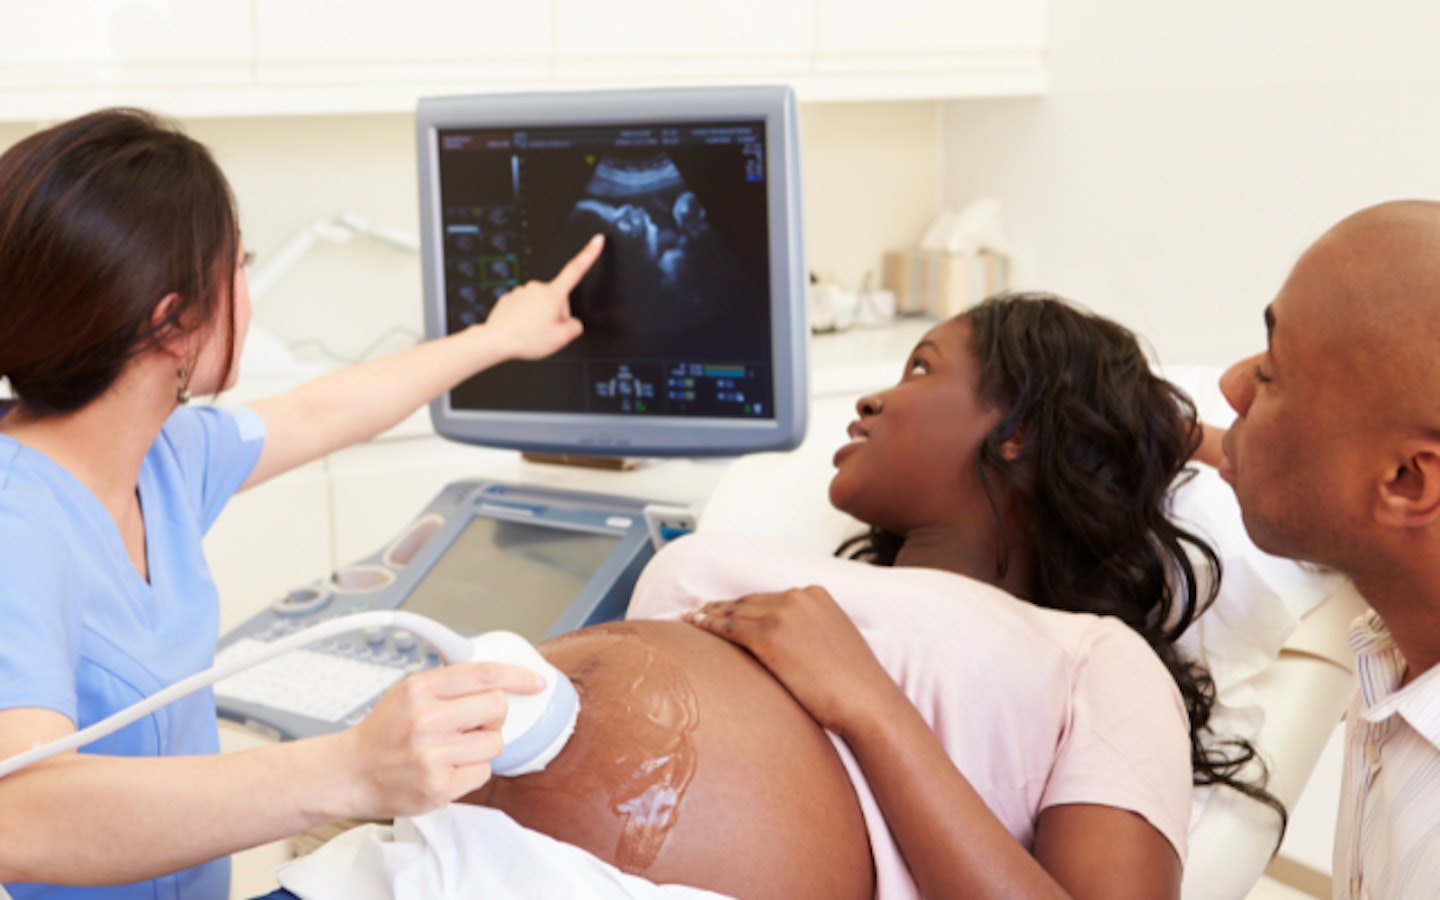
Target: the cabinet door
(346, 40)
(931, 26)
(683, 37)
(79, 43)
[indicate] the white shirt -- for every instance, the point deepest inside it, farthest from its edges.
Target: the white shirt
(1387, 839)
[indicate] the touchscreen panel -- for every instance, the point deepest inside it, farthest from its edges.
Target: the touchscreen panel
(516, 576)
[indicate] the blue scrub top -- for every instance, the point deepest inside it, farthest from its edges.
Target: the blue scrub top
(83, 634)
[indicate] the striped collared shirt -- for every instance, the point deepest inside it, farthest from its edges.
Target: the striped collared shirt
(1387, 838)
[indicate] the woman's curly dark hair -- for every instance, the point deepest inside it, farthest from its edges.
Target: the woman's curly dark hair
(1104, 442)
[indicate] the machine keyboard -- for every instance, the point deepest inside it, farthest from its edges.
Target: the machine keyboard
(310, 683)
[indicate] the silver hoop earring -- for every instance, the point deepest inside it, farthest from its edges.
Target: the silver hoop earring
(182, 393)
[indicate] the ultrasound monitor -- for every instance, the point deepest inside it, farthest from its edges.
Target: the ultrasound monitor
(695, 331)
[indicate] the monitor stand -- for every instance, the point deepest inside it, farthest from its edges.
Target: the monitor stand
(613, 463)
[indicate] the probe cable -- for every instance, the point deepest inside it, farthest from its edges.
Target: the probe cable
(451, 646)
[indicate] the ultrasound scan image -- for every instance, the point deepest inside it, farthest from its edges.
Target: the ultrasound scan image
(665, 269)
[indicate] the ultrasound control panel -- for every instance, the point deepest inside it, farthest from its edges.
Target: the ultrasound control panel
(481, 556)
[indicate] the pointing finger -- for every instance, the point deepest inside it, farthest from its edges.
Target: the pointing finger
(579, 264)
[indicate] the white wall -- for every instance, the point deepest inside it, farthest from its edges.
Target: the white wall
(290, 172)
(872, 183)
(1188, 152)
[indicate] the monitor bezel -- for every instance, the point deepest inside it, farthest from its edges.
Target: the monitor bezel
(620, 434)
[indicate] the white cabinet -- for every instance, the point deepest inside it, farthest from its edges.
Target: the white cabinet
(947, 28)
(100, 45)
(353, 31)
(276, 57)
(95, 35)
(684, 40)
(301, 42)
(924, 48)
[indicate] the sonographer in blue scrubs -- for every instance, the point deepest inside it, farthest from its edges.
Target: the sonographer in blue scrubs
(85, 635)
(122, 292)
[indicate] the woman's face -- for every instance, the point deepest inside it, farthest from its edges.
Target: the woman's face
(911, 459)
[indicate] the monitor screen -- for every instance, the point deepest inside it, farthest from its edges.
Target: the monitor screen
(513, 575)
(694, 340)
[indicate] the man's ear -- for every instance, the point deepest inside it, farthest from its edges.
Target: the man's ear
(1410, 496)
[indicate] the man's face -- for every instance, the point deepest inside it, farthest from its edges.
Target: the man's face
(1290, 455)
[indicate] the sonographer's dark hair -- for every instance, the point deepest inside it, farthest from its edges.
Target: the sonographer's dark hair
(1104, 443)
(102, 217)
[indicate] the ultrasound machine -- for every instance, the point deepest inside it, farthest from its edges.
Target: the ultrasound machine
(694, 345)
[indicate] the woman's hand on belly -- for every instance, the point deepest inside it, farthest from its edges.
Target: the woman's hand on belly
(812, 647)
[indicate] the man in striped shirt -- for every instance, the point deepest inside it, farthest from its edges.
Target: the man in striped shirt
(1335, 458)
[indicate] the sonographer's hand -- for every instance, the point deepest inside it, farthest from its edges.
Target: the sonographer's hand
(431, 737)
(807, 642)
(536, 315)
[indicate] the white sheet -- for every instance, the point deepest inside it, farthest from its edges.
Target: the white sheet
(461, 853)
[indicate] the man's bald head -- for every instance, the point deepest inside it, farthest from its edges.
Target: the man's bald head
(1369, 293)
(1335, 456)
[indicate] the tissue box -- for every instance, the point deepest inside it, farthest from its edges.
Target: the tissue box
(942, 284)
